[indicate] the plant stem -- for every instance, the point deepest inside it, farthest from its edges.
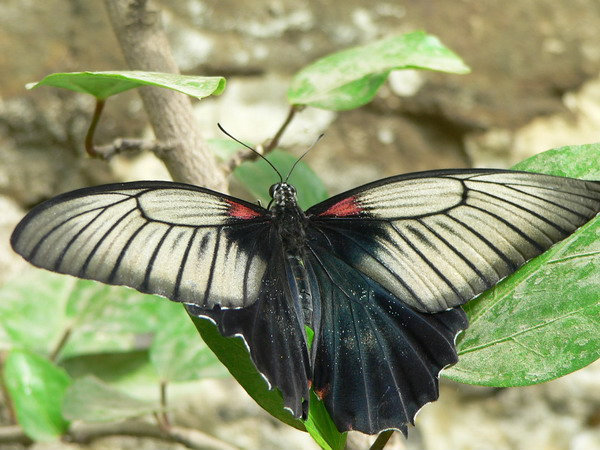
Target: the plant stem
(82, 433)
(89, 137)
(163, 403)
(61, 343)
(275, 141)
(382, 440)
(245, 155)
(137, 25)
(7, 400)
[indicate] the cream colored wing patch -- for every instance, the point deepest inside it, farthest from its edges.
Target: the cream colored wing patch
(437, 241)
(188, 244)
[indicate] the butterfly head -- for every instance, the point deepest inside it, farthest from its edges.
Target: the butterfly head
(283, 194)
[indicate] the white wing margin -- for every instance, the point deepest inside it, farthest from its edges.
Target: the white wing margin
(186, 243)
(437, 239)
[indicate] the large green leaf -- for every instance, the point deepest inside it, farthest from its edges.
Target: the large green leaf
(178, 354)
(321, 427)
(91, 400)
(232, 352)
(104, 84)
(40, 308)
(543, 321)
(36, 389)
(350, 78)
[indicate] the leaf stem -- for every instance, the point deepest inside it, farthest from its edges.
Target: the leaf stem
(7, 400)
(163, 403)
(275, 141)
(244, 155)
(382, 440)
(61, 343)
(89, 137)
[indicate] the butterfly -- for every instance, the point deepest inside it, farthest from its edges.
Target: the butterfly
(378, 272)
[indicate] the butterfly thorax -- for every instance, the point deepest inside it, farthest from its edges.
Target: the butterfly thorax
(288, 219)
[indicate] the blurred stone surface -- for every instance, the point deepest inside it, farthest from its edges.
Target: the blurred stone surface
(534, 85)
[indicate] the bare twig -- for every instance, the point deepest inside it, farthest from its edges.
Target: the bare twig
(264, 149)
(275, 141)
(84, 433)
(7, 401)
(139, 31)
(13, 434)
(165, 422)
(382, 440)
(61, 343)
(122, 145)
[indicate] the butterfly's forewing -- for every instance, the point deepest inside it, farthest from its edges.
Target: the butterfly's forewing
(171, 239)
(208, 250)
(437, 239)
(377, 360)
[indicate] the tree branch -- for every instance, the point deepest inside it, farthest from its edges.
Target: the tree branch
(145, 47)
(81, 433)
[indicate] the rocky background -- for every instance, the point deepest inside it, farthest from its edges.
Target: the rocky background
(534, 85)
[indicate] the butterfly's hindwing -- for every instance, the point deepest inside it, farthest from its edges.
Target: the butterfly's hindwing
(377, 360)
(437, 239)
(183, 242)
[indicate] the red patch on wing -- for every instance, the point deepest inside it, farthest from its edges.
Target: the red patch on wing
(241, 212)
(347, 207)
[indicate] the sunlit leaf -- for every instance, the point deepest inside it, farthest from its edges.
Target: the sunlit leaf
(105, 84)
(543, 321)
(350, 78)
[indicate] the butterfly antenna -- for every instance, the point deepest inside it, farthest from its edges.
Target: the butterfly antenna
(253, 150)
(303, 155)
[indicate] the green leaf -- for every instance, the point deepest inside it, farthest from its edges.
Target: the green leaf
(321, 428)
(577, 161)
(36, 389)
(179, 354)
(91, 400)
(543, 321)
(233, 354)
(40, 308)
(351, 78)
(131, 371)
(104, 84)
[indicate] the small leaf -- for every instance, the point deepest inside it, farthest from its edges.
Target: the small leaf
(104, 84)
(351, 78)
(543, 321)
(179, 354)
(131, 371)
(321, 428)
(91, 400)
(232, 352)
(36, 389)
